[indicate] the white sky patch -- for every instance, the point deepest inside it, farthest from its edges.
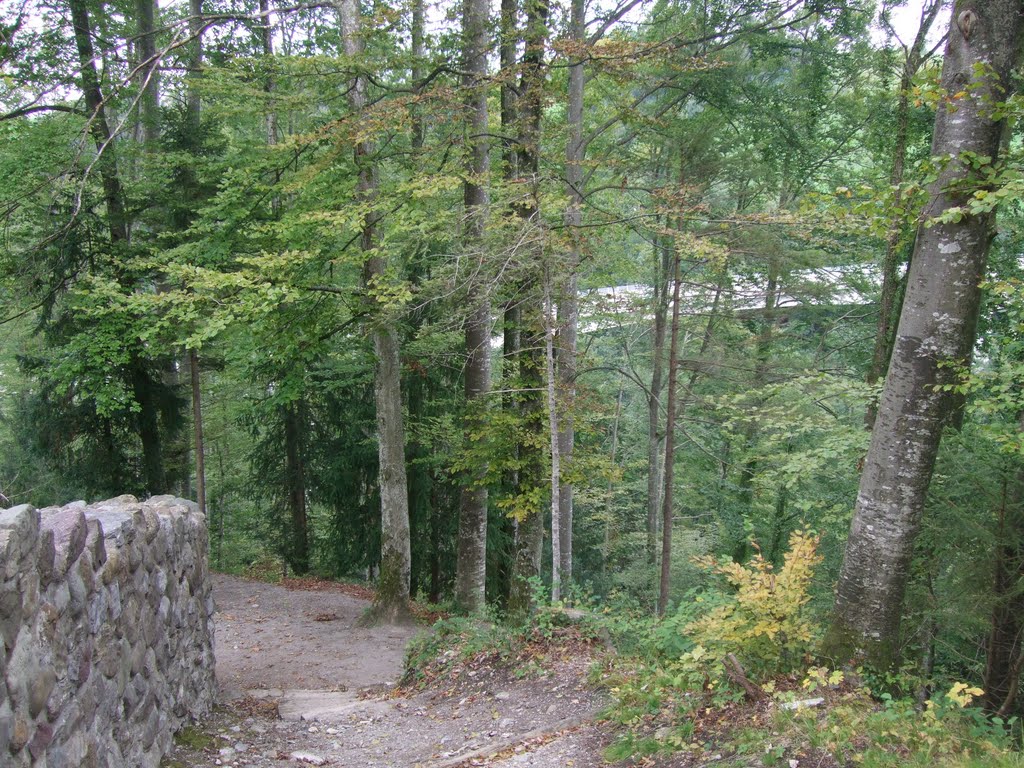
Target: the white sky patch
(905, 18)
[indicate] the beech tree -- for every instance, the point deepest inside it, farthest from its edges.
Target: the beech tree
(472, 546)
(393, 594)
(935, 335)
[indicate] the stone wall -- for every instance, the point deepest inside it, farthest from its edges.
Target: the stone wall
(106, 631)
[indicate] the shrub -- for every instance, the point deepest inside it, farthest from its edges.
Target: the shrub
(763, 621)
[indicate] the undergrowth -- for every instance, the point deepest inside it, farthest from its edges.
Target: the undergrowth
(731, 676)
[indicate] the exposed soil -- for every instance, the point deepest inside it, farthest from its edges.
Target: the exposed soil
(268, 636)
(301, 684)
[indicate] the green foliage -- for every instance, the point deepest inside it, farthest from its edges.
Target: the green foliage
(897, 732)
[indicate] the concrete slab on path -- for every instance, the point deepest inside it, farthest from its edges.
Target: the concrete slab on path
(322, 706)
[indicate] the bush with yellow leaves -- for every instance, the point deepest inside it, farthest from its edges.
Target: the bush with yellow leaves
(764, 621)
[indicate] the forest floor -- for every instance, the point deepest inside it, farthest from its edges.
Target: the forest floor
(301, 683)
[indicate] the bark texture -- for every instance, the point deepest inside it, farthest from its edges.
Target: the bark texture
(197, 429)
(935, 335)
(887, 304)
(663, 265)
(554, 435)
(471, 565)
(148, 71)
(670, 446)
(529, 105)
(396, 551)
(194, 112)
(295, 480)
(568, 305)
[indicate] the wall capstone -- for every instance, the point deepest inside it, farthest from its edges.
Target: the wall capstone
(106, 631)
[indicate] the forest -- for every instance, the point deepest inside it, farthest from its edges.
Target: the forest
(708, 313)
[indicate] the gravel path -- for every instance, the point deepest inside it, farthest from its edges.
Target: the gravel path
(301, 685)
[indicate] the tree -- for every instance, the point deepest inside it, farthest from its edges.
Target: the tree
(472, 550)
(392, 597)
(935, 333)
(915, 56)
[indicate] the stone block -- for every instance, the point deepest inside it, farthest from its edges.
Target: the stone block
(111, 520)
(10, 611)
(40, 740)
(21, 731)
(69, 535)
(94, 542)
(45, 558)
(39, 689)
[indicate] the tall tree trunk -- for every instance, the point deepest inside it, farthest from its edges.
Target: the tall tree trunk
(609, 511)
(113, 194)
(894, 237)
(511, 313)
(197, 429)
(148, 425)
(568, 305)
(509, 112)
(194, 114)
(195, 28)
(1004, 648)
(418, 54)
(146, 12)
(554, 435)
(393, 589)
(530, 539)
(762, 364)
(295, 480)
(471, 564)
(118, 228)
(935, 336)
(266, 31)
(670, 445)
(662, 268)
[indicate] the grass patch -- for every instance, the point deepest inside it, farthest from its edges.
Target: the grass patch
(191, 737)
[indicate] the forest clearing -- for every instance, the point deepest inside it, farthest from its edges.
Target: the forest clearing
(667, 351)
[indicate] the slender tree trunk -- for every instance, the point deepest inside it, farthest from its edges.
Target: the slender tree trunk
(511, 314)
(662, 268)
(553, 433)
(530, 539)
(418, 55)
(266, 31)
(197, 430)
(195, 28)
(887, 305)
(146, 12)
(762, 357)
(609, 520)
(670, 445)
(1004, 648)
(568, 305)
(295, 479)
(471, 564)
(194, 112)
(509, 112)
(113, 195)
(395, 569)
(148, 427)
(934, 338)
(504, 560)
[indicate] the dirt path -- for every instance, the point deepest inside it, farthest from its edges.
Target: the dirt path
(302, 685)
(271, 637)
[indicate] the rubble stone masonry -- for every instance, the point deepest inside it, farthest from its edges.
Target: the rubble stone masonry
(106, 631)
